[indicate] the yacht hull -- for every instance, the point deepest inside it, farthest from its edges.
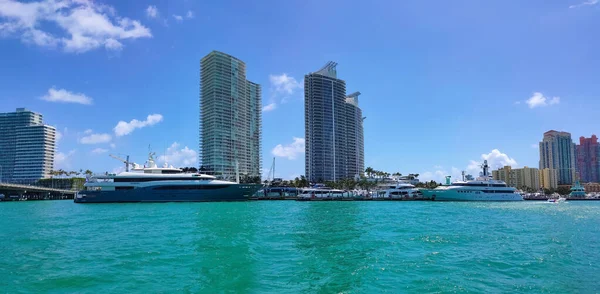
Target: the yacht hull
(450, 195)
(236, 192)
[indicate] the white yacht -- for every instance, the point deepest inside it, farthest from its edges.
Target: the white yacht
(323, 193)
(155, 184)
(400, 190)
(484, 188)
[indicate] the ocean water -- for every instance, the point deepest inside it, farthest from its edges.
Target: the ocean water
(300, 247)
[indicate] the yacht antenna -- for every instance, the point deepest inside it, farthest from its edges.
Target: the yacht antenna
(463, 175)
(485, 168)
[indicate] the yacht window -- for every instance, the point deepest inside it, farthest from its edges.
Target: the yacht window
(191, 187)
(133, 180)
(171, 172)
(124, 188)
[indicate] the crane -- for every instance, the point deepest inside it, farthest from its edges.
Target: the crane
(125, 161)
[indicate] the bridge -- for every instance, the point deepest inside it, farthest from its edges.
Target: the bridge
(28, 192)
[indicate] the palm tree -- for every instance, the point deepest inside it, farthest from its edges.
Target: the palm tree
(303, 182)
(369, 171)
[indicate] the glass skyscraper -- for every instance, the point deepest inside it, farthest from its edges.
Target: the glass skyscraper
(230, 118)
(27, 147)
(334, 146)
(557, 151)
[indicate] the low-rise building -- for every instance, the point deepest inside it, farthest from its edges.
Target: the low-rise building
(520, 178)
(591, 187)
(548, 178)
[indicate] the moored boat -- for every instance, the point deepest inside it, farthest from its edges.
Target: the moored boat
(484, 188)
(167, 184)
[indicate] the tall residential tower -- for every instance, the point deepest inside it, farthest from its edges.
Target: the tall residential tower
(230, 118)
(27, 147)
(557, 151)
(333, 128)
(588, 159)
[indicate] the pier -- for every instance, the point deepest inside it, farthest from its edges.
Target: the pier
(15, 192)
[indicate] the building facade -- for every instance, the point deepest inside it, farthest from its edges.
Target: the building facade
(27, 147)
(230, 118)
(588, 159)
(520, 178)
(548, 178)
(334, 138)
(557, 151)
(355, 155)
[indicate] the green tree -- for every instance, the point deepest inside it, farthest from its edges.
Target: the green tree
(562, 190)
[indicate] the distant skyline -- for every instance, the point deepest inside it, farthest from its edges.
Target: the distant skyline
(444, 85)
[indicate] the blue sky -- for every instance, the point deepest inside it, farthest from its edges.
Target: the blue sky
(444, 83)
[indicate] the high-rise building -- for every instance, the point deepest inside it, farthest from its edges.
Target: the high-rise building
(520, 178)
(548, 178)
(355, 148)
(557, 151)
(27, 147)
(333, 127)
(230, 118)
(588, 159)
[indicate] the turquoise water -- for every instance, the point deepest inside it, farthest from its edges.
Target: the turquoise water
(292, 247)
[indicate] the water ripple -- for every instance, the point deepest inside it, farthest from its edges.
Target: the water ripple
(296, 247)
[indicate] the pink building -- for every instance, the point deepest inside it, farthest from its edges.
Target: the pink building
(588, 159)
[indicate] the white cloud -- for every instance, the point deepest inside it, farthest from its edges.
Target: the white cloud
(290, 151)
(177, 17)
(269, 107)
(284, 84)
(586, 3)
(88, 131)
(152, 11)
(538, 100)
(179, 157)
(99, 151)
(63, 160)
(495, 158)
(118, 170)
(65, 96)
(189, 14)
(59, 136)
(125, 128)
(439, 175)
(112, 44)
(113, 146)
(75, 25)
(95, 139)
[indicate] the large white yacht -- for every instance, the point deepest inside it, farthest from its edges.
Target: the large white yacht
(484, 188)
(161, 184)
(400, 190)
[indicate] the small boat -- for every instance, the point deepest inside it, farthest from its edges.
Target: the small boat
(557, 200)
